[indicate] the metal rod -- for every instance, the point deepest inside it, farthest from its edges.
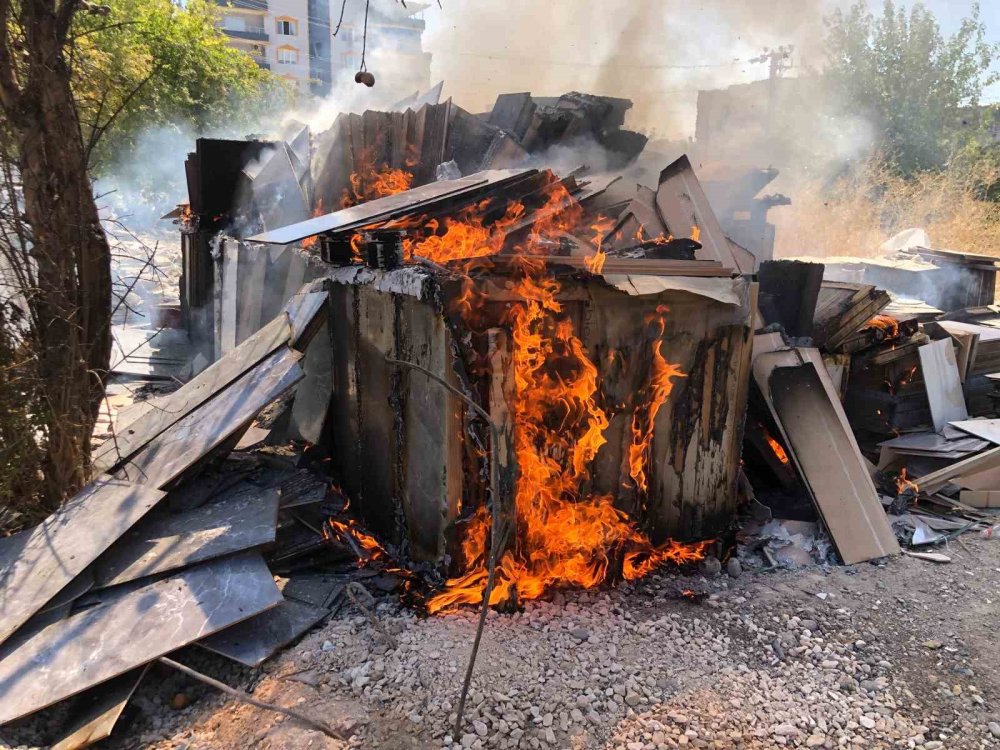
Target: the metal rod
(497, 542)
(247, 698)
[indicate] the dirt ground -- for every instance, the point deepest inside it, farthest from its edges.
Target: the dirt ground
(900, 654)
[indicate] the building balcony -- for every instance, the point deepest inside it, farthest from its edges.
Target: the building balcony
(243, 4)
(253, 35)
(261, 62)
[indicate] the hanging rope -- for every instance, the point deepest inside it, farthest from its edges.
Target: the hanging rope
(364, 39)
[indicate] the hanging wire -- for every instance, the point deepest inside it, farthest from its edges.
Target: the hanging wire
(364, 38)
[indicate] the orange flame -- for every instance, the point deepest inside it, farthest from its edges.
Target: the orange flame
(644, 416)
(565, 537)
(903, 483)
(696, 233)
(885, 323)
(354, 536)
(309, 242)
(373, 182)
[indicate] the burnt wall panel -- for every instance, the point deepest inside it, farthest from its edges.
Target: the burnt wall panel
(344, 418)
(376, 419)
(432, 431)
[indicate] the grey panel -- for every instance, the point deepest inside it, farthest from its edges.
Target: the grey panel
(95, 718)
(130, 629)
(176, 450)
(381, 209)
(243, 520)
(254, 641)
(37, 564)
(166, 411)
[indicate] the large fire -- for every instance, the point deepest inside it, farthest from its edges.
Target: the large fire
(371, 183)
(565, 536)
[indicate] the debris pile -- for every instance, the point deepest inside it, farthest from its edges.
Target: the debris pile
(497, 382)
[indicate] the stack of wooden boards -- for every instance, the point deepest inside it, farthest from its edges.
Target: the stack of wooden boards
(680, 202)
(145, 561)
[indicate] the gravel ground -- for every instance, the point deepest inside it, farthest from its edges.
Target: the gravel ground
(894, 655)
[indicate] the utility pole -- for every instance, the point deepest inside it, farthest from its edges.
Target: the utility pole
(779, 60)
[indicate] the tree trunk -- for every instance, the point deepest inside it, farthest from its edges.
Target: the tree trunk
(73, 298)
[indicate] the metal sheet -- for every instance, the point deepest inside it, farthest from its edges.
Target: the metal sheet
(726, 291)
(37, 564)
(254, 641)
(130, 629)
(244, 519)
(370, 211)
(171, 454)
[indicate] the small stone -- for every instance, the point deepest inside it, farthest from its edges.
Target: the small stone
(711, 566)
(580, 634)
(932, 645)
(633, 699)
(933, 745)
(994, 728)
(734, 568)
(480, 726)
(180, 701)
(327, 646)
(815, 740)
(867, 722)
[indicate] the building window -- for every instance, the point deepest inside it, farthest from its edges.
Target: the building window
(288, 55)
(287, 26)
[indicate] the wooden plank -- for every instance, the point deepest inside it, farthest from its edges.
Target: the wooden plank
(943, 383)
(931, 483)
(95, 718)
(172, 408)
(980, 498)
(244, 518)
(38, 563)
(131, 628)
(682, 204)
(812, 423)
(165, 458)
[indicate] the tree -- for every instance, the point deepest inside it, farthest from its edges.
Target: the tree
(148, 63)
(77, 81)
(908, 80)
(65, 261)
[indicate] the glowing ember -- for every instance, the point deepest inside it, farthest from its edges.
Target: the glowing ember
(565, 537)
(779, 452)
(696, 233)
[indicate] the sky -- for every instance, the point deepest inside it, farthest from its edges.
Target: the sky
(658, 53)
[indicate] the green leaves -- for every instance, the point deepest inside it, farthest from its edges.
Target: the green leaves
(899, 71)
(149, 63)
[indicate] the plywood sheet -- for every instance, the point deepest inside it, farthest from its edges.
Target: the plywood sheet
(243, 519)
(38, 563)
(943, 383)
(131, 629)
(180, 447)
(826, 455)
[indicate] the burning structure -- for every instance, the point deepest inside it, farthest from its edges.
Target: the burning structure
(607, 350)
(506, 379)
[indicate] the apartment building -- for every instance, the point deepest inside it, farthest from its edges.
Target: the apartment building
(294, 38)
